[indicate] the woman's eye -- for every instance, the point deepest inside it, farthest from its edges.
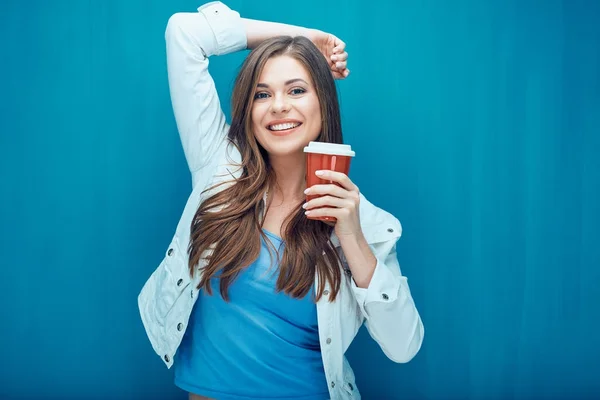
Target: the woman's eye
(298, 91)
(260, 95)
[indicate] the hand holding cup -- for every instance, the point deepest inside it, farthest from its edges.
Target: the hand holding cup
(331, 196)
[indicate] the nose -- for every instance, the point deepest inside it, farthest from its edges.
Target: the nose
(280, 104)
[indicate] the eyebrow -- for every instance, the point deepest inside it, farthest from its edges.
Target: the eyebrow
(264, 85)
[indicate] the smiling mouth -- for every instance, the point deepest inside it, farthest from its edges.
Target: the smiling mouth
(288, 126)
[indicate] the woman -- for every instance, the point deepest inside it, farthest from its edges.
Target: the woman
(253, 300)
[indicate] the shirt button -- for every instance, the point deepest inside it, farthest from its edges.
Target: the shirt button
(350, 386)
(179, 326)
(192, 293)
(328, 341)
(385, 296)
(326, 292)
(332, 384)
(390, 230)
(166, 357)
(179, 282)
(170, 252)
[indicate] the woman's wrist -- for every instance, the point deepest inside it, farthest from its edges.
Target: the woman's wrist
(258, 31)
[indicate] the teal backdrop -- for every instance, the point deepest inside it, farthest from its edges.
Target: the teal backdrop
(476, 123)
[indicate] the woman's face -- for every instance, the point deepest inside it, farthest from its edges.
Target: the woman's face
(285, 113)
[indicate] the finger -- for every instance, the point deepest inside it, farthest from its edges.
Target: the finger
(338, 177)
(339, 57)
(339, 46)
(338, 213)
(340, 65)
(327, 201)
(331, 189)
(337, 74)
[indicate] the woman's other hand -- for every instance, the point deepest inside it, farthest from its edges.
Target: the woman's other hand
(334, 51)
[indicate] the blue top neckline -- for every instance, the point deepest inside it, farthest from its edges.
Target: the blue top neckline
(272, 235)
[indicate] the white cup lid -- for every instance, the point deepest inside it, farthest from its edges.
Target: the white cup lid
(329, 148)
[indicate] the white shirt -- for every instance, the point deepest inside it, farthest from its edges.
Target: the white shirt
(386, 307)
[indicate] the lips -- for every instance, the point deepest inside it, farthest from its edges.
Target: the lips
(285, 132)
(283, 125)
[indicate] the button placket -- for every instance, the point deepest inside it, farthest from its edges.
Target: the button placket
(327, 329)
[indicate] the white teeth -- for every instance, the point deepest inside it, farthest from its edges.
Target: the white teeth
(281, 127)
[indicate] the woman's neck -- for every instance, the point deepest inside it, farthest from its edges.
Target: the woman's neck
(290, 173)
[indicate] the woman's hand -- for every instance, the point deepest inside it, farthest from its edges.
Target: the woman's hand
(339, 202)
(334, 51)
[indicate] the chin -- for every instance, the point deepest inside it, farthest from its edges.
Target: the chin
(290, 146)
(281, 151)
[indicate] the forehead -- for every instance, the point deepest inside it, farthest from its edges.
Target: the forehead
(280, 69)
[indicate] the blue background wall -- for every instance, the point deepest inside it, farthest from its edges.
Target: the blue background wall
(477, 123)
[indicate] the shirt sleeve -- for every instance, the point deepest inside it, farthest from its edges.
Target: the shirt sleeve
(384, 287)
(228, 31)
(191, 38)
(391, 317)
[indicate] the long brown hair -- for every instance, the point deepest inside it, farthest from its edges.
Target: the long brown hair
(233, 232)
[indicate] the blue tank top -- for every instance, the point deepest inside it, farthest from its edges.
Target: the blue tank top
(260, 345)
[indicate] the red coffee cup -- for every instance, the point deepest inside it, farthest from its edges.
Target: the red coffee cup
(325, 156)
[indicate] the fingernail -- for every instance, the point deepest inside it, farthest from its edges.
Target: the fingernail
(334, 58)
(304, 205)
(307, 191)
(319, 173)
(307, 213)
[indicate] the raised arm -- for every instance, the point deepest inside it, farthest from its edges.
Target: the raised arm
(259, 31)
(191, 38)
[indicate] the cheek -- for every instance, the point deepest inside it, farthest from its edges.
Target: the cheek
(255, 116)
(258, 110)
(258, 130)
(316, 116)
(256, 123)
(312, 110)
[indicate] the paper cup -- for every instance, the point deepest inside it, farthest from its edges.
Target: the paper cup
(325, 156)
